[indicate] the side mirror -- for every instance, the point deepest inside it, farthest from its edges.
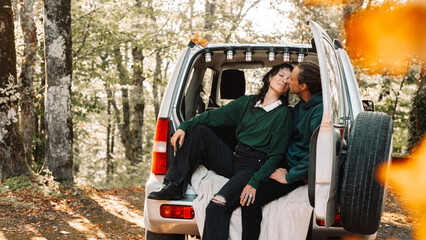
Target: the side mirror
(368, 105)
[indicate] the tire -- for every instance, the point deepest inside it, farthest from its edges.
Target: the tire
(362, 195)
(159, 236)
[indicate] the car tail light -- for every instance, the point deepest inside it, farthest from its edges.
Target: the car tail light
(337, 222)
(177, 211)
(160, 148)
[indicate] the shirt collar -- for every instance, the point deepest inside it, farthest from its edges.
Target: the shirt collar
(270, 107)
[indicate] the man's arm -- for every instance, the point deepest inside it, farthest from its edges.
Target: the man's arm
(300, 171)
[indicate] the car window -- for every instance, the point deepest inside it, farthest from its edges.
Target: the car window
(334, 83)
(206, 87)
(253, 78)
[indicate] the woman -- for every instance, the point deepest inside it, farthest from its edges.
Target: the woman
(263, 124)
(305, 81)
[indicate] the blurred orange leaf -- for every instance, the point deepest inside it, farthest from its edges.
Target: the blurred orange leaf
(408, 178)
(387, 37)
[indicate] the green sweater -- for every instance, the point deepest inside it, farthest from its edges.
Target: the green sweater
(268, 132)
(306, 118)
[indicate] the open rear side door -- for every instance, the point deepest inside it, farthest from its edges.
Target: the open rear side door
(332, 125)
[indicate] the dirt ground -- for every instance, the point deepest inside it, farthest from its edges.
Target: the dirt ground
(87, 213)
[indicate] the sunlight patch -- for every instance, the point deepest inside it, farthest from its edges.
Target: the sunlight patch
(83, 225)
(120, 208)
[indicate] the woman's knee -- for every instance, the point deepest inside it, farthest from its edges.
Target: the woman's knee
(217, 204)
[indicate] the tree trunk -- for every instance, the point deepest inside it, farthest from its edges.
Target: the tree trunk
(210, 8)
(352, 7)
(124, 125)
(157, 72)
(417, 128)
(12, 151)
(155, 83)
(139, 103)
(27, 114)
(110, 167)
(110, 124)
(40, 130)
(59, 131)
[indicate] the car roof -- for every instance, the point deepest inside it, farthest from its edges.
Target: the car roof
(260, 55)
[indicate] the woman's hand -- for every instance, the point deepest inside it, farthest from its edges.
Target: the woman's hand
(247, 195)
(177, 138)
(279, 175)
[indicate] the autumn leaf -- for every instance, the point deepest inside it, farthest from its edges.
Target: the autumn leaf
(197, 40)
(407, 177)
(387, 37)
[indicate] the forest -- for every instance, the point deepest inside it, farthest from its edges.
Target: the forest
(81, 82)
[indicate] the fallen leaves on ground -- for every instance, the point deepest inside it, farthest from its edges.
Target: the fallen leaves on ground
(89, 213)
(76, 213)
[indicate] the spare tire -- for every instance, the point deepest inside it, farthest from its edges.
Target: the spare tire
(362, 195)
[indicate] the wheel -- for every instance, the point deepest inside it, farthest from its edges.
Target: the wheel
(159, 236)
(362, 195)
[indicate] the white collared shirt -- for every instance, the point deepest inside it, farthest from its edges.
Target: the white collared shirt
(270, 107)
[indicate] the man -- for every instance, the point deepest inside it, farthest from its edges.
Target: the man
(305, 81)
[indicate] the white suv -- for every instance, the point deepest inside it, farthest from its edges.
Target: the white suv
(344, 150)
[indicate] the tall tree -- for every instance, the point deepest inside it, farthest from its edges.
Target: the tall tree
(124, 122)
(59, 129)
(12, 152)
(138, 102)
(27, 113)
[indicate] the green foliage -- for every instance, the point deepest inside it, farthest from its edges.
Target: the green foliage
(40, 183)
(392, 95)
(417, 127)
(16, 202)
(18, 183)
(9, 94)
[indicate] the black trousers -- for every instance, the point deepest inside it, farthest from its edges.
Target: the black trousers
(252, 215)
(203, 146)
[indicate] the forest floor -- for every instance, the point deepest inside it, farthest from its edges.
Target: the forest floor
(86, 213)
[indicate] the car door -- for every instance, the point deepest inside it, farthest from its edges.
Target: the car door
(351, 85)
(329, 141)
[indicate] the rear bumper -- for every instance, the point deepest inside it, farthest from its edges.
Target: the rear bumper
(155, 223)
(334, 233)
(153, 220)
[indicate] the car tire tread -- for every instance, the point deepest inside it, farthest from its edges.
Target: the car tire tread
(362, 195)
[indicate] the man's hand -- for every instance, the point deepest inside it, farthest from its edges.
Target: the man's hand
(177, 139)
(247, 195)
(279, 175)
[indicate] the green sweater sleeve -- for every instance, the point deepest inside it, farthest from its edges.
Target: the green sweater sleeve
(300, 171)
(278, 146)
(227, 115)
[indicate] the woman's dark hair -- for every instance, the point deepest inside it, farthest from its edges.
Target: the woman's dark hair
(262, 92)
(310, 74)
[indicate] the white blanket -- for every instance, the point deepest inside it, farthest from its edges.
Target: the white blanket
(285, 218)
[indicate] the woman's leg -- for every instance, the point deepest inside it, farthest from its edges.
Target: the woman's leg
(202, 145)
(252, 215)
(220, 208)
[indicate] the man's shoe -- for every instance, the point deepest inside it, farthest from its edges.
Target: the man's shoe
(167, 191)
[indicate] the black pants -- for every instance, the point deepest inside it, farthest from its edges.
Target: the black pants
(252, 215)
(202, 146)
